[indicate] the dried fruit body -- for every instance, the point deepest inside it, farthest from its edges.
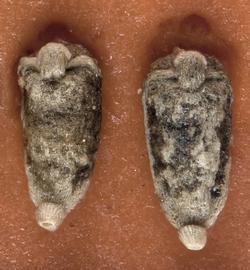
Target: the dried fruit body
(61, 115)
(187, 109)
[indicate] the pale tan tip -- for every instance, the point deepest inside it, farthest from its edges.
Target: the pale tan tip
(50, 215)
(193, 237)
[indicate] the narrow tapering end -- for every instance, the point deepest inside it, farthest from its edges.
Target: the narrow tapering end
(52, 60)
(50, 215)
(193, 237)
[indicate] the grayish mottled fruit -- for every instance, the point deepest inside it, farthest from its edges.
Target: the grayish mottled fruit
(187, 110)
(61, 114)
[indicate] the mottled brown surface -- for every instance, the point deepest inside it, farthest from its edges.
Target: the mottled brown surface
(120, 225)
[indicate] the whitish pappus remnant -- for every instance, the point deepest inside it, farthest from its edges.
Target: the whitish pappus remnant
(187, 111)
(61, 114)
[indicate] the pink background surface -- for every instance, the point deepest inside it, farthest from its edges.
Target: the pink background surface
(119, 224)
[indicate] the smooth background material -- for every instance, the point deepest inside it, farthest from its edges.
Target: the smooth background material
(119, 224)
